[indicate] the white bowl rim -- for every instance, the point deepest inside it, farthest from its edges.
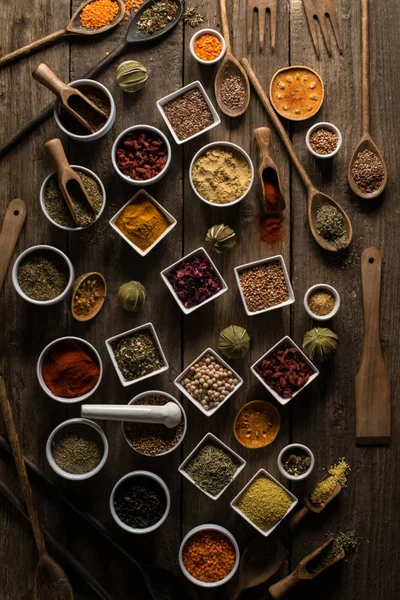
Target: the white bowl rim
(286, 449)
(322, 286)
(197, 34)
(326, 125)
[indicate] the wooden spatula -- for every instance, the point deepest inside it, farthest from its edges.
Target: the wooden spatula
(372, 384)
(12, 225)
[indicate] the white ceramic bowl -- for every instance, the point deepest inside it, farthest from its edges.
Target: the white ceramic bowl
(237, 509)
(42, 382)
(164, 273)
(114, 149)
(70, 424)
(194, 85)
(88, 172)
(204, 32)
(78, 83)
(180, 387)
(322, 287)
(286, 342)
(136, 400)
(263, 261)
(146, 327)
(294, 447)
(42, 247)
(208, 527)
(226, 145)
(171, 219)
(163, 486)
(323, 125)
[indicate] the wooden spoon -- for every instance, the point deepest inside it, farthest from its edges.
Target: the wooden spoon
(280, 589)
(253, 570)
(51, 583)
(230, 66)
(315, 198)
(68, 181)
(12, 225)
(88, 279)
(73, 27)
(267, 169)
(366, 142)
(308, 507)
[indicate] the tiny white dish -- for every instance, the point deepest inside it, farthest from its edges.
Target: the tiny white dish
(285, 342)
(209, 527)
(75, 425)
(323, 125)
(209, 438)
(194, 85)
(198, 405)
(263, 261)
(293, 448)
(171, 219)
(205, 32)
(150, 329)
(321, 287)
(264, 473)
(43, 248)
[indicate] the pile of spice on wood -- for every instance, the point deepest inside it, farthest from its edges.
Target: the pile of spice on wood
(284, 371)
(221, 175)
(209, 382)
(257, 424)
(232, 92)
(141, 155)
(263, 286)
(346, 541)
(188, 114)
(368, 171)
(70, 369)
(142, 222)
(153, 439)
(207, 47)
(336, 474)
(209, 556)
(321, 302)
(212, 468)
(140, 502)
(194, 280)
(157, 16)
(137, 355)
(264, 502)
(98, 13)
(324, 141)
(77, 452)
(192, 17)
(331, 225)
(96, 121)
(43, 275)
(296, 462)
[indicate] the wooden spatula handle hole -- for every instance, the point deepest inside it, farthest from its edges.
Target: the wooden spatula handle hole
(16, 213)
(371, 260)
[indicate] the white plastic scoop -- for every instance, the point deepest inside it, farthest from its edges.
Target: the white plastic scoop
(169, 414)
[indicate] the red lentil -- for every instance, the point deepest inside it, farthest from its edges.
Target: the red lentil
(99, 13)
(207, 47)
(209, 556)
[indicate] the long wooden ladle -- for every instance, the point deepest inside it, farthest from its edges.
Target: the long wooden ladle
(366, 142)
(73, 27)
(230, 66)
(51, 583)
(308, 507)
(268, 170)
(315, 198)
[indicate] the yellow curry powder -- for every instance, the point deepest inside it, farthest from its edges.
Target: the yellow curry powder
(336, 474)
(142, 222)
(264, 502)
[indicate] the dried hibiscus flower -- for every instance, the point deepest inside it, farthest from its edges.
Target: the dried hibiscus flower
(194, 280)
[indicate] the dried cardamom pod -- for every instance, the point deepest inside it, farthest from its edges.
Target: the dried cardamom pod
(131, 76)
(221, 238)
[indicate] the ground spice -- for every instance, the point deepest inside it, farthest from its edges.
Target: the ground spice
(207, 47)
(324, 141)
(209, 556)
(76, 453)
(100, 99)
(232, 92)
(142, 155)
(142, 222)
(336, 474)
(70, 369)
(345, 541)
(43, 275)
(157, 16)
(137, 355)
(263, 286)
(140, 502)
(271, 230)
(98, 13)
(257, 424)
(284, 371)
(321, 303)
(368, 171)
(212, 468)
(331, 225)
(296, 462)
(271, 195)
(188, 114)
(192, 17)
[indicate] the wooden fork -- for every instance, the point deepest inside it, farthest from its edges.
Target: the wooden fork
(261, 6)
(320, 9)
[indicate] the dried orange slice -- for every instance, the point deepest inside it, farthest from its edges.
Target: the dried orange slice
(296, 93)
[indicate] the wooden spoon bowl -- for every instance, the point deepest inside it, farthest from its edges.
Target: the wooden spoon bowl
(315, 199)
(75, 27)
(86, 281)
(268, 170)
(51, 582)
(230, 66)
(366, 143)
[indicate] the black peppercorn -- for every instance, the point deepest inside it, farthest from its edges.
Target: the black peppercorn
(140, 502)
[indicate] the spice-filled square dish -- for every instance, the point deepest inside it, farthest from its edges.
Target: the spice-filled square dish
(285, 370)
(137, 354)
(264, 285)
(208, 382)
(188, 112)
(212, 466)
(143, 222)
(264, 502)
(194, 280)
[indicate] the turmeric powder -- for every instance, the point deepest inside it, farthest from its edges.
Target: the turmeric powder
(142, 222)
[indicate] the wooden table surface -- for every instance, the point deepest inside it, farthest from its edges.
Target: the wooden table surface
(323, 416)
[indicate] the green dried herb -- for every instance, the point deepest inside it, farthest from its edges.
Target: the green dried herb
(192, 17)
(212, 468)
(296, 464)
(77, 454)
(345, 541)
(331, 225)
(157, 16)
(137, 355)
(43, 275)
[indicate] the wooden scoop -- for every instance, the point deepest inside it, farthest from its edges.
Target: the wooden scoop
(73, 27)
(308, 507)
(267, 169)
(315, 198)
(51, 583)
(230, 66)
(280, 589)
(76, 103)
(70, 183)
(366, 142)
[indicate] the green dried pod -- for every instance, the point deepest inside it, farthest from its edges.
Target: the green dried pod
(132, 296)
(319, 343)
(221, 238)
(234, 342)
(131, 76)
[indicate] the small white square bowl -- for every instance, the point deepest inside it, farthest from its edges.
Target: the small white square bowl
(195, 84)
(285, 342)
(209, 438)
(180, 387)
(164, 273)
(265, 474)
(262, 261)
(146, 327)
(132, 200)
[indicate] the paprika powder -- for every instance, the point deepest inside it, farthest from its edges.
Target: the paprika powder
(271, 230)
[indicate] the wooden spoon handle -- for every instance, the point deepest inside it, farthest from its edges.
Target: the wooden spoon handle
(12, 224)
(298, 517)
(55, 150)
(365, 66)
(371, 264)
(281, 588)
(225, 24)
(262, 135)
(30, 48)
(21, 469)
(44, 75)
